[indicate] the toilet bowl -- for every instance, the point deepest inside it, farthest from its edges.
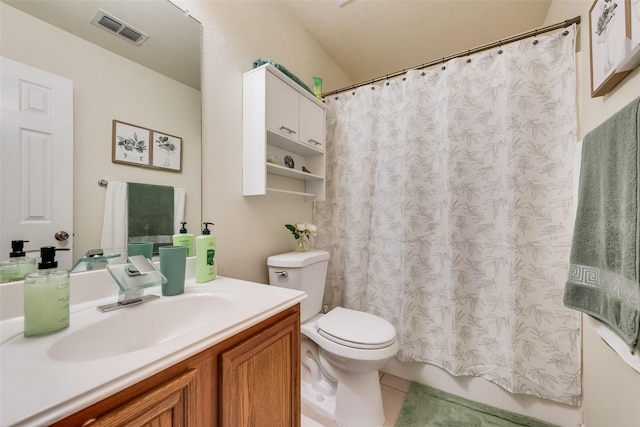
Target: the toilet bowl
(341, 351)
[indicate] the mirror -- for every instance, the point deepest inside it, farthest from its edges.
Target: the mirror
(154, 85)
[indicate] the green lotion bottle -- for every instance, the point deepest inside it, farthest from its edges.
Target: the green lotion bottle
(205, 255)
(46, 296)
(184, 239)
(18, 265)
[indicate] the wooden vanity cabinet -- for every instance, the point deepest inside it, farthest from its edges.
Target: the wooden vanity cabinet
(251, 379)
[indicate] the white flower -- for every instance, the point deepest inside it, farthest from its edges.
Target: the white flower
(302, 229)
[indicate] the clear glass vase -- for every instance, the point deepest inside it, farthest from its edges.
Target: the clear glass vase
(303, 244)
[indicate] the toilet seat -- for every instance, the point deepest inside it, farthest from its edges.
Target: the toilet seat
(356, 329)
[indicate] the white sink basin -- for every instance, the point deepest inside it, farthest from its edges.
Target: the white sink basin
(136, 328)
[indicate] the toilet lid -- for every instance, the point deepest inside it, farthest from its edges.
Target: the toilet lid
(356, 329)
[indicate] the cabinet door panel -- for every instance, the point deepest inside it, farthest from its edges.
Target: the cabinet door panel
(260, 379)
(312, 124)
(282, 108)
(171, 404)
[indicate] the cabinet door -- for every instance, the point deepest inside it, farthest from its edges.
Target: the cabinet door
(261, 378)
(312, 124)
(171, 404)
(282, 108)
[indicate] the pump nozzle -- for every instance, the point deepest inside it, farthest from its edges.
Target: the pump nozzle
(48, 255)
(17, 248)
(183, 230)
(206, 228)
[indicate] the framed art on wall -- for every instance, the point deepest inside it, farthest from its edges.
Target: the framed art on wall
(137, 146)
(130, 144)
(632, 14)
(610, 41)
(167, 152)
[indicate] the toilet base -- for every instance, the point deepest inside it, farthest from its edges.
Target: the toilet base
(325, 405)
(350, 399)
(359, 406)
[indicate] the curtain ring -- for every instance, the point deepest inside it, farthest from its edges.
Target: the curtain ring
(565, 32)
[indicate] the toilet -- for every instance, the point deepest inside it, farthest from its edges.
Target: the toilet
(341, 351)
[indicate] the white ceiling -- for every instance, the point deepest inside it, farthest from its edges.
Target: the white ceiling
(372, 38)
(366, 38)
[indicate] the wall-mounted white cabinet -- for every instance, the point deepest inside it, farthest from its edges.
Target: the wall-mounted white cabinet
(281, 120)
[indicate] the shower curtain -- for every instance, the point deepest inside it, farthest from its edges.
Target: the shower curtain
(449, 213)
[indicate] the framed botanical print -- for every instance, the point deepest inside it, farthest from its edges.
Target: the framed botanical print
(137, 146)
(610, 28)
(130, 144)
(167, 152)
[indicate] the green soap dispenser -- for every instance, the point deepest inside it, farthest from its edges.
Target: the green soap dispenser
(184, 239)
(46, 296)
(205, 255)
(18, 265)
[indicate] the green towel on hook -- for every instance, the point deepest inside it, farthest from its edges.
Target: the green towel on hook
(604, 274)
(150, 214)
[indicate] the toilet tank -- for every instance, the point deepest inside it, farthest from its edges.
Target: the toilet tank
(305, 271)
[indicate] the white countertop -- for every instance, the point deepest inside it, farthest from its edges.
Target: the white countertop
(36, 390)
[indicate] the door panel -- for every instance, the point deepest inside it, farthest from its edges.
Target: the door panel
(36, 160)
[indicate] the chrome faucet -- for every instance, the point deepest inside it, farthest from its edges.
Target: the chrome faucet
(132, 278)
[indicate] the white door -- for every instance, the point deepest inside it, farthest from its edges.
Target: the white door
(36, 160)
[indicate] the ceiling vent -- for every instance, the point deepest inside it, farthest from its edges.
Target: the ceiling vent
(119, 28)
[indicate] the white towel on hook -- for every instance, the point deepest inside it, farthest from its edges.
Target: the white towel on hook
(115, 224)
(115, 233)
(179, 197)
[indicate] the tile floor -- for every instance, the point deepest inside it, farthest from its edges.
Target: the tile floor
(393, 391)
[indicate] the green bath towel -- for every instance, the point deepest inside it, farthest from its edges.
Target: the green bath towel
(150, 214)
(603, 278)
(259, 62)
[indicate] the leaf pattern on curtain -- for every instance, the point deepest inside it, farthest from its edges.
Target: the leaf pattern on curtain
(449, 213)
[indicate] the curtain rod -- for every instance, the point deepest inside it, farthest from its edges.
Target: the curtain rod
(532, 33)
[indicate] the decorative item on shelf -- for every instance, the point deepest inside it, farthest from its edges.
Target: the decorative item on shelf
(272, 159)
(288, 161)
(317, 87)
(303, 234)
(304, 169)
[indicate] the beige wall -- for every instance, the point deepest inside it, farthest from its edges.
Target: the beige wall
(235, 33)
(108, 87)
(610, 387)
